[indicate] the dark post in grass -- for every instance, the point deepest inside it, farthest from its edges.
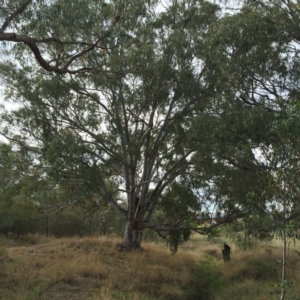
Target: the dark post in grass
(226, 253)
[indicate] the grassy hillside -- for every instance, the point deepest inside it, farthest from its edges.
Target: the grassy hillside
(94, 268)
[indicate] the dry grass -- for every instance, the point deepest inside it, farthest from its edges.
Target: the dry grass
(93, 268)
(256, 274)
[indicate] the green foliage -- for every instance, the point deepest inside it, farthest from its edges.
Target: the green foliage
(67, 224)
(215, 234)
(16, 222)
(206, 281)
(247, 232)
(175, 238)
(178, 203)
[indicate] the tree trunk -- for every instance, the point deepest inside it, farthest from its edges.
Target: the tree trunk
(245, 236)
(283, 278)
(47, 226)
(132, 236)
(103, 224)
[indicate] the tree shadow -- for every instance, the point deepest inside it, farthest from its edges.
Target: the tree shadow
(206, 281)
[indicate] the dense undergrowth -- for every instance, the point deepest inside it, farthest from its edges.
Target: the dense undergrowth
(93, 268)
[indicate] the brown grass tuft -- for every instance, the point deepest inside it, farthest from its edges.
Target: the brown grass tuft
(93, 268)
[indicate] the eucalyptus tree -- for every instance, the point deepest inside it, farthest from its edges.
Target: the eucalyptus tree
(259, 50)
(140, 95)
(58, 34)
(256, 84)
(119, 107)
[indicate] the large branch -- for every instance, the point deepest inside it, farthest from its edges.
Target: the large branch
(202, 230)
(235, 164)
(32, 43)
(14, 15)
(111, 200)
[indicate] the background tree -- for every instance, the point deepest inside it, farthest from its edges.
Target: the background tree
(255, 88)
(259, 51)
(16, 215)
